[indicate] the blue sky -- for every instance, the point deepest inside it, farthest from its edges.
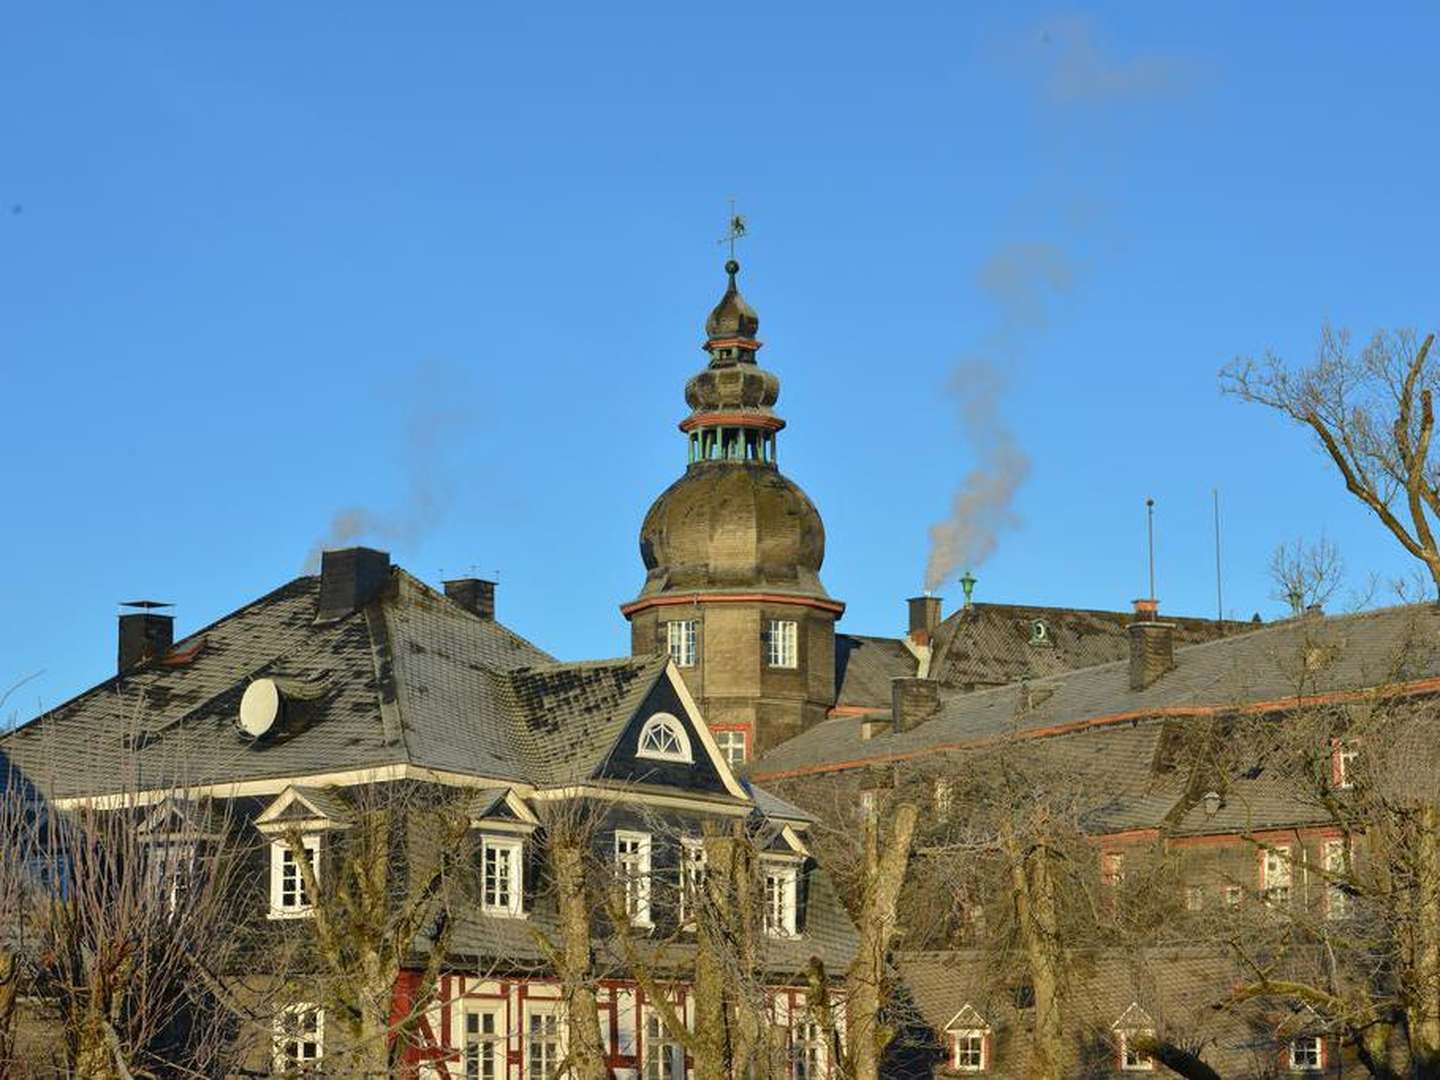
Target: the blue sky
(446, 267)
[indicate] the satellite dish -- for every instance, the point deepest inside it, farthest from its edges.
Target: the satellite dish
(260, 707)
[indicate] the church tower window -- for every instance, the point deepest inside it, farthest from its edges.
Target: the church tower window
(680, 639)
(780, 650)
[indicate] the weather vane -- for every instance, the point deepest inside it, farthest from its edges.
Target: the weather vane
(735, 231)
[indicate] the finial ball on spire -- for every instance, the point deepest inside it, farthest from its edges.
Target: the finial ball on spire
(732, 267)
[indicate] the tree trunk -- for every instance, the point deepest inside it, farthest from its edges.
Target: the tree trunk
(1035, 914)
(567, 851)
(884, 875)
(1423, 1005)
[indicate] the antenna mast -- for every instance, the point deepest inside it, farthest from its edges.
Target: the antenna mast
(1219, 594)
(1150, 533)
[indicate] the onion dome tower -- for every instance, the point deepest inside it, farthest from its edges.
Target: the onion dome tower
(732, 554)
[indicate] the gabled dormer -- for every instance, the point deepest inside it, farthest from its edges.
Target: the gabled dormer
(1134, 1027)
(968, 1040)
(666, 743)
(298, 818)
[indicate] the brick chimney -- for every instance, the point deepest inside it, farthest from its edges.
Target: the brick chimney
(144, 634)
(913, 701)
(349, 579)
(1152, 645)
(924, 618)
(475, 595)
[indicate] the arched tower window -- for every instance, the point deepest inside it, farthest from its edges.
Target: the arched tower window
(663, 738)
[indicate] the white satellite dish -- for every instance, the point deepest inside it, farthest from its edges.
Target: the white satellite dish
(260, 707)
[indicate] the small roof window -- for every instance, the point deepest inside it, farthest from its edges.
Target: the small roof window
(663, 738)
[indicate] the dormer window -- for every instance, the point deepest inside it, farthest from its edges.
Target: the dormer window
(502, 885)
(781, 886)
(1039, 632)
(289, 898)
(1132, 1030)
(969, 1041)
(663, 738)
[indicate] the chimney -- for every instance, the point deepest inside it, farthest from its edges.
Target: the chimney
(475, 595)
(913, 701)
(924, 618)
(1152, 645)
(144, 634)
(349, 579)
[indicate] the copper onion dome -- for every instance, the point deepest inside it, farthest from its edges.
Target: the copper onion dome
(732, 316)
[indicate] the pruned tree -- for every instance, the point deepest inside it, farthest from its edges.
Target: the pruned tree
(395, 874)
(1305, 576)
(1372, 413)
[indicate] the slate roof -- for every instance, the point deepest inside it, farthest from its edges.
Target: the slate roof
(990, 644)
(1176, 988)
(1310, 655)
(412, 678)
(864, 667)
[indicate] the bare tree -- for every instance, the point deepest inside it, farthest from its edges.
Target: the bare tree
(1372, 413)
(397, 872)
(1306, 576)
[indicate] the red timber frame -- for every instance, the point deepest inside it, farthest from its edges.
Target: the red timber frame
(438, 1049)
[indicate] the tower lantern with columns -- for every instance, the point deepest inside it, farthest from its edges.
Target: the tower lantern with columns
(732, 554)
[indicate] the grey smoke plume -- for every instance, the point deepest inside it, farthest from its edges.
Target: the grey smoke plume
(1072, 66)
(1021, 280)
(430, 432)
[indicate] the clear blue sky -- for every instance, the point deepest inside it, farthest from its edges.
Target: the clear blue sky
(449, 263)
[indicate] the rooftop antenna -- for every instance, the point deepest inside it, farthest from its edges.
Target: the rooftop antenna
(1219, 593)
(736, 230)
(1150, 531)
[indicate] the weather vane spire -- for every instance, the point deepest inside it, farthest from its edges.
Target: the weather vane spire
(735, 231)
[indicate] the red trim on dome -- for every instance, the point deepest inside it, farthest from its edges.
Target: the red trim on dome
(637, 606)
(754, 420)
(744, 342)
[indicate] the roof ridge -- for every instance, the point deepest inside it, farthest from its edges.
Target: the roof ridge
(462, 609)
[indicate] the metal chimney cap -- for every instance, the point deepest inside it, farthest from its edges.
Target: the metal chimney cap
(146, 605)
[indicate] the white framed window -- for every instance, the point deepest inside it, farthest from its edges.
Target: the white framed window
(680, 638)
(1307, 1053)
(692, 877)
(1337, 900)
(1234, 895)
(732, 744)
(969, 1050)
(288, 896)
(1131, 1059)
(664, 1057)
(502, 875)
(299, 1038)
(1194, 898)
(780, 648)
(1344, 755)
(808, 1057)
(483, 1045)
(781, 879)
(1276, 874)
(632, 864)
(1112, 868)
(663, 738)
(544, 1048)
(942, 793)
